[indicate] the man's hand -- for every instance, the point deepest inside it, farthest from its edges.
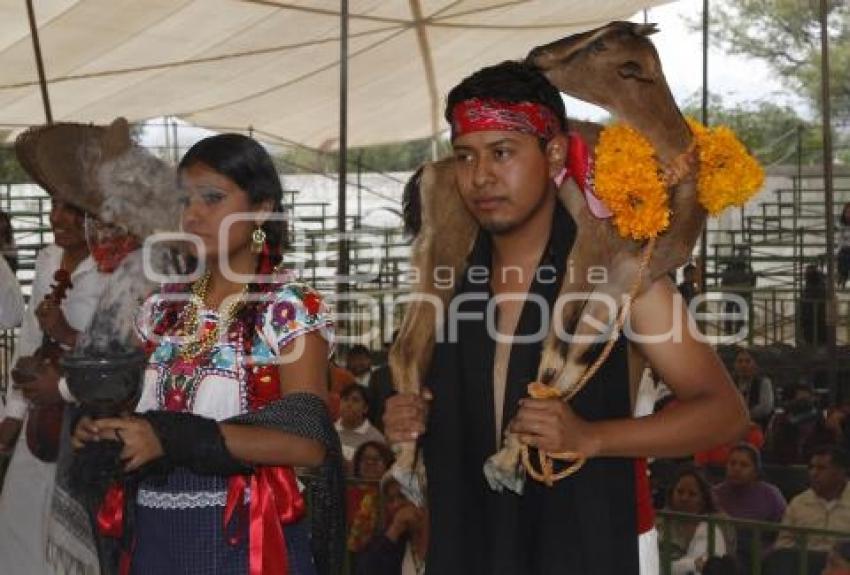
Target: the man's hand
(52, 322)
(43, 387)
(407, 519)
(552, 426)
(406, 416)
(9, 430)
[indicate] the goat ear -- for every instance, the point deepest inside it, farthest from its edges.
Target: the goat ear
(645, 29)
(632, 69)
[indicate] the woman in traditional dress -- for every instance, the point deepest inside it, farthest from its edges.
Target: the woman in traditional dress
(233, 394)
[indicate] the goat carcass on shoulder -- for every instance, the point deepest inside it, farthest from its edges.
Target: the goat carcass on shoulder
(617, 68)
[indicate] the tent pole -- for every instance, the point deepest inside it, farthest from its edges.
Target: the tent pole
(703, 241)
(831, 312)
(39, 63)
(342, 245)
(430, 75)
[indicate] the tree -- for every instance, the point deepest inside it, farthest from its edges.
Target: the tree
(400, 157)
(769, 130)
(10, 170)
(786, 35)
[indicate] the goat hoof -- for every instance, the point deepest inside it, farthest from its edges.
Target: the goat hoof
(503, 471)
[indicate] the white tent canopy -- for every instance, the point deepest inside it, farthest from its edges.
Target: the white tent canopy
(272, 65)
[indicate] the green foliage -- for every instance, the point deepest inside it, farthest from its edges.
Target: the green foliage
(771, 131)
(786, 34)
(404, 156)
(10, 169)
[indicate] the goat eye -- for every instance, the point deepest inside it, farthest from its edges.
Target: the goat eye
(598, 46)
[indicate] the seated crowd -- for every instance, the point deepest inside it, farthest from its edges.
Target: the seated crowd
(762, 479)
(791, 469)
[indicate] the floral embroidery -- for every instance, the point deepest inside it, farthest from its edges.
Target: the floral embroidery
(313, 302)
(286, 312)
(283, 312)
(164, 352)
(224, 357)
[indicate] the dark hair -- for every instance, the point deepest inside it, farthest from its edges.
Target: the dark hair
(7, 242)
(244, 161)
(751, 452)
(725, 565)
(359, 349)
(702, 483)
(689, 268)
(739, 349)
(837, 455)
(385, 452)
(353, 388)
(845, 219)
(411, 204)
(510, 82)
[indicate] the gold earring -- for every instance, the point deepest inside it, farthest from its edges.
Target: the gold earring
(258, 240)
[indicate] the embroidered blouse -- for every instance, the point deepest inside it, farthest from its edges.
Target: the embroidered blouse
(215, 384)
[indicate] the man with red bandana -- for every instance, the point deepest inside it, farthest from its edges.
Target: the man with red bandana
(511, 144)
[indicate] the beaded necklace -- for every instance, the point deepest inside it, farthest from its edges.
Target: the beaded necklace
(204, 343)
(183, 374)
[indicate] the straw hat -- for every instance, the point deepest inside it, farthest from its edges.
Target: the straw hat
(64, 158)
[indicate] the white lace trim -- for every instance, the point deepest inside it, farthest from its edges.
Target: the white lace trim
(196, 499)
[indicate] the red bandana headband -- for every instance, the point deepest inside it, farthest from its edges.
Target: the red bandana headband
(476, 115)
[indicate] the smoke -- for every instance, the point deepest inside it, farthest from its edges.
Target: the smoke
(139, 195)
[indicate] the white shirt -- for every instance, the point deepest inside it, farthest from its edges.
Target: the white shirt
(698, 549)
(11, 299)
(352, 439)
(78, 307)
(809, 510)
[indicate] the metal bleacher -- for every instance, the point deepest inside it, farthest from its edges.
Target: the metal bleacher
(778, 236)
(378, 258)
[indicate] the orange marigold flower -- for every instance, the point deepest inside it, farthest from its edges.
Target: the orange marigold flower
(728, 174)
(627, 181)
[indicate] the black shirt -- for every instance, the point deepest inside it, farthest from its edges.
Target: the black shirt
(586, 523)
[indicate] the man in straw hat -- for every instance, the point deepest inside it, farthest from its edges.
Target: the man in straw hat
(62, 159)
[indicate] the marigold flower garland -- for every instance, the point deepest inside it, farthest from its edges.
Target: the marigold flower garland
(627, 181)
(728, 174)
(628, 177)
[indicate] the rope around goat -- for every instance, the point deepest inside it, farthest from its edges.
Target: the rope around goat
(539, 390)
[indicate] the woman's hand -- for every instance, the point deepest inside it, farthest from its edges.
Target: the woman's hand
(85, 431)
(406, 416)
(551, 425)
(141, 445)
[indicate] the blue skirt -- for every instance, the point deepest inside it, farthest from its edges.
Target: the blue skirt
(179, 529)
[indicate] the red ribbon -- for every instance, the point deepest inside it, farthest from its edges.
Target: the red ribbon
(110, 522)
(275, 502)
(645, 510)
(579, 167)
(110, 516)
